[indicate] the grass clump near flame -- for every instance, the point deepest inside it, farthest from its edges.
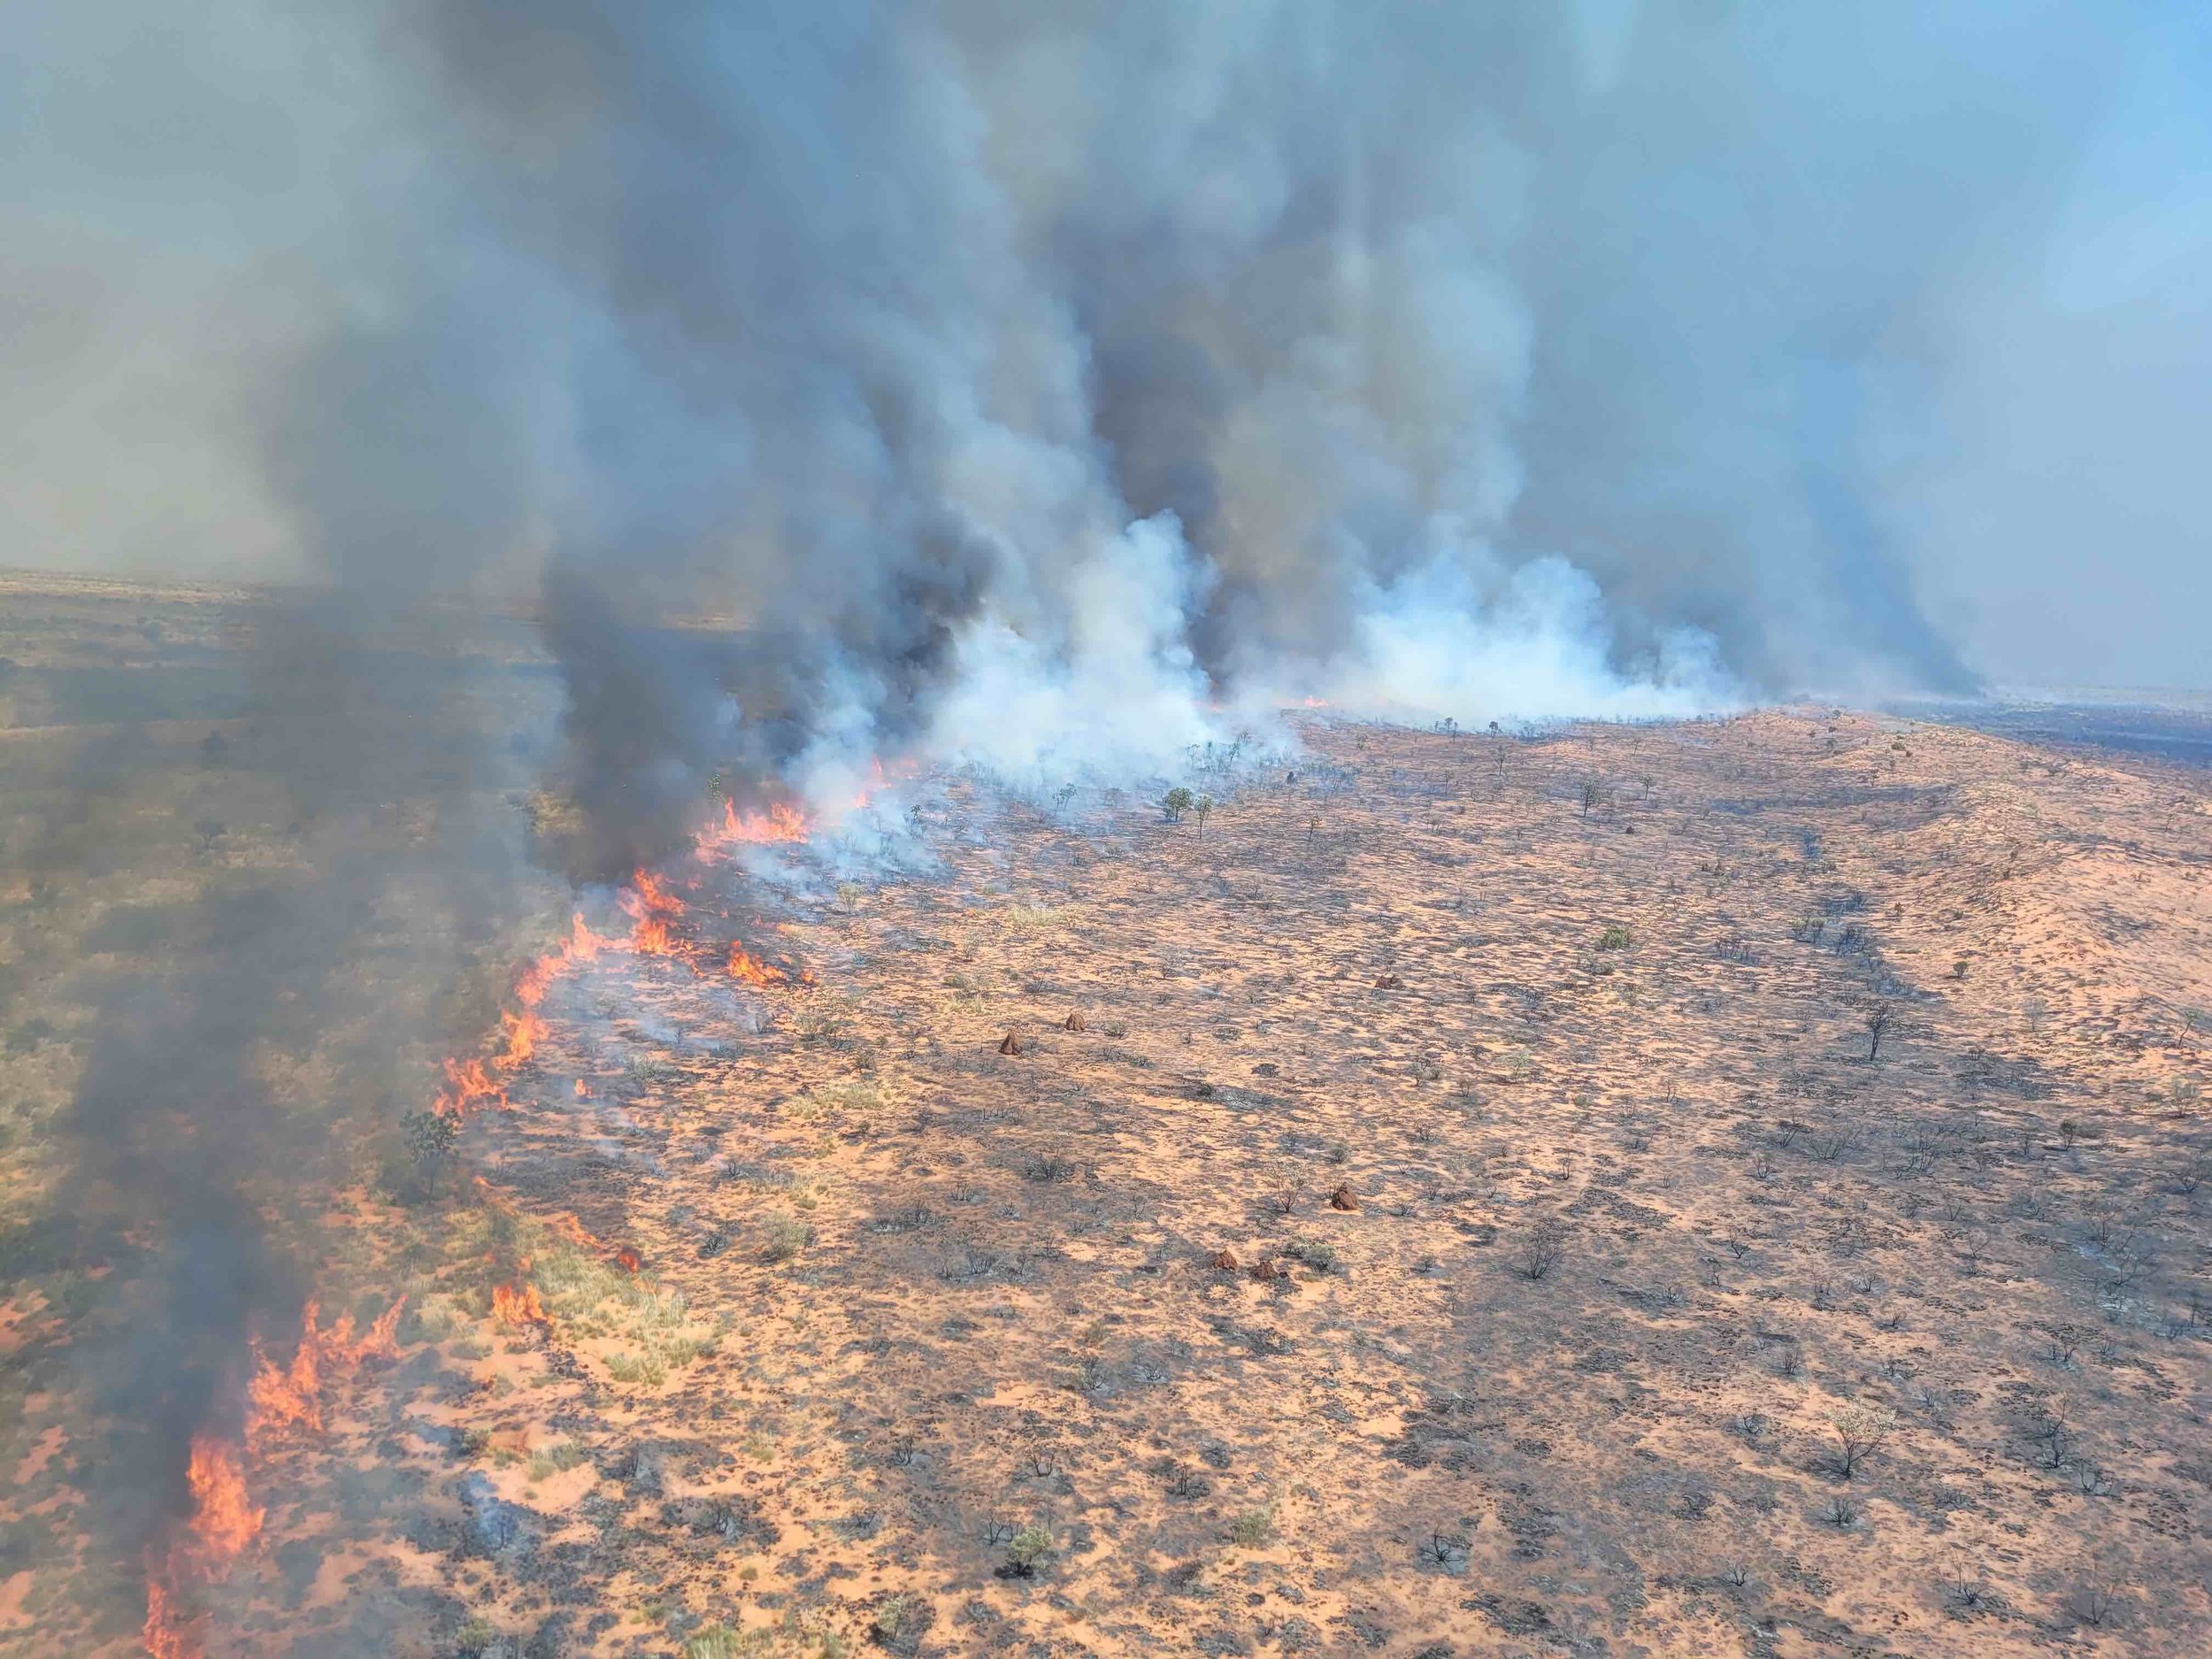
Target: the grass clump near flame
(1029, 918)
(799, 1636)
(556, 1459)
(784, 1237)
(586, 1296)
(858, 1094)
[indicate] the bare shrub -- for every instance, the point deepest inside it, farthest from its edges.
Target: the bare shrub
(1540, 1251)
(1878, 1021)
(2091, 1602)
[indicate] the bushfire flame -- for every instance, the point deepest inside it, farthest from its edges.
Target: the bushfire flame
(161, 1637)
(518, 1306)
(778, 825)
(523, 1031)
(581, 945)
(291, 1396)
(652, 907)
(469, 1085)
(746, 966)
(224, 1520)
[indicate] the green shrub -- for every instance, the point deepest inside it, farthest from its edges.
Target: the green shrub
(1030, 1546)
(1253, 1528)
(787, 1236)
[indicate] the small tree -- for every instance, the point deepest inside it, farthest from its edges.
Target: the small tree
(1177, 801)
(1591, 795)
(1877, 1022)
(209, 830)
(429, 1136)
(1029, 1548)
(1203, 806)
(1860, 1431)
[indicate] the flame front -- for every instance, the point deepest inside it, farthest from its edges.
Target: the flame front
(224, 1520)
(162, 1637)
(291, 1396)
(652, 907)
(780, 825)
(581, 945)
(469, 1085)
(518, 1306)
(746, 966)
(523, 1031)
(278, 1398)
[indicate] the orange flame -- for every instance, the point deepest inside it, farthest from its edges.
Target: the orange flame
(651, 906)
(469, 1083)
(468, 1086)
(779, 826)
(161, 1637)
(288, 1398)
(517, 1306)
(581, 945)
(628, 1260)
(567, 1227)
(523, 1030)
(746, 966)
(222, 1518)
(291, 1396)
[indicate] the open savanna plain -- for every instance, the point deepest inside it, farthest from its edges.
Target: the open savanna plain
(1731, 1188)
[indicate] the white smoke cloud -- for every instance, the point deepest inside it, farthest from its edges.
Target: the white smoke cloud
(1117, 696)
(1533, 645)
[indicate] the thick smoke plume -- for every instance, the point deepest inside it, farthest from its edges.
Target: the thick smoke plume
(1518, 359)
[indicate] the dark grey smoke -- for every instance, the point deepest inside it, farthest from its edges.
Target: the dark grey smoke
(255, 1049)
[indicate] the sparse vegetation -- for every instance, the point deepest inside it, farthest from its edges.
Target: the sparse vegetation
(783, 1238)
(1878, 1021)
